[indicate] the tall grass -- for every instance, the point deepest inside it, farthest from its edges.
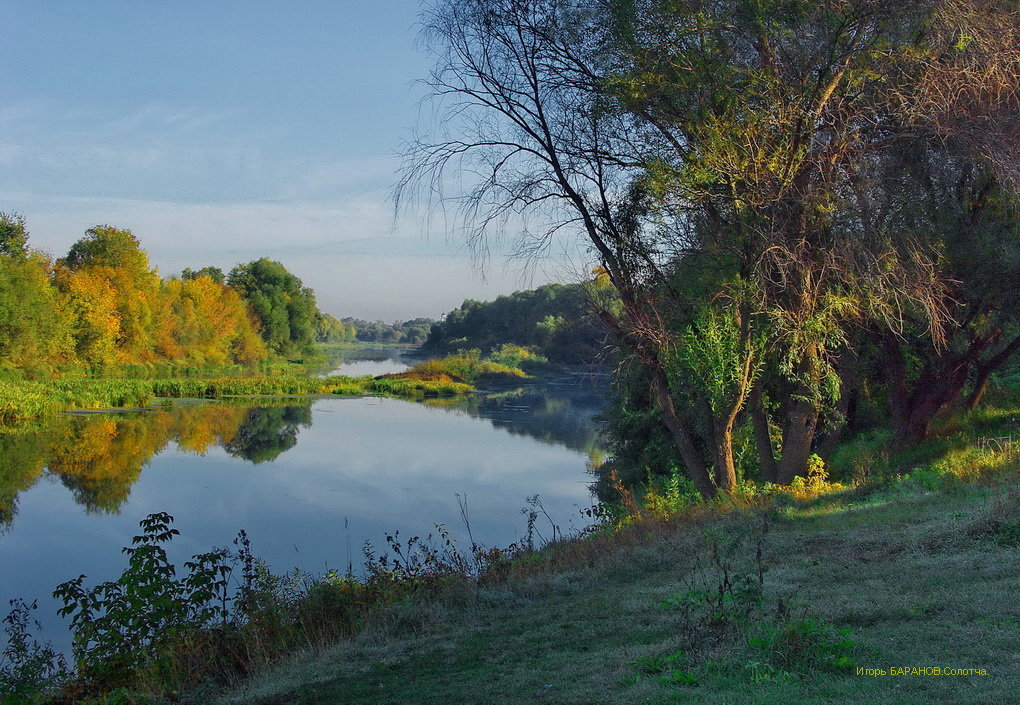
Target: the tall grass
(26, 399)
(159, 629)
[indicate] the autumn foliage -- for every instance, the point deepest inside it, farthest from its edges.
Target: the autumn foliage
(104, 306)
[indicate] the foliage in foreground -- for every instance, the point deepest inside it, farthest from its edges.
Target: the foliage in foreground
(159, 631)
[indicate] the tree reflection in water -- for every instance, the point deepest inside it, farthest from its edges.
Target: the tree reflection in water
(265, 433)
(98, 457)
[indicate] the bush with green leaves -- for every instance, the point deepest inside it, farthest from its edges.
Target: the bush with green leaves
(28, 669)
(805, 644)
(118, 625)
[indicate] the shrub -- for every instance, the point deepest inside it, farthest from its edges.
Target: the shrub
(27, 668)
(119, 626)
(668, 495)
(816, 483)
(805, 645)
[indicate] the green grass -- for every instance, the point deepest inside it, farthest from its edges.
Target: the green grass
(764, 598)
(29, 399)
(895, 579)
(470, 367)
(908, 569)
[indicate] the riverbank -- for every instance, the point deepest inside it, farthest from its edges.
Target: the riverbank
(884, 588)
(887, 590)
(20, 400)
(813, 593)
(891, 598)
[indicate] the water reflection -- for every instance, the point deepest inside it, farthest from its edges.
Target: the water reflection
(309, 481)
(98, 457)
(559, 412)
(265, 433)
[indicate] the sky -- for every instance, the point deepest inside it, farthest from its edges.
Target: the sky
(221, 131)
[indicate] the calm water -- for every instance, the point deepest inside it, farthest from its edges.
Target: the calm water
(357, 362)
(309, 482)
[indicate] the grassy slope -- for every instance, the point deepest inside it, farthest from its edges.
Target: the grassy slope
(912, 574)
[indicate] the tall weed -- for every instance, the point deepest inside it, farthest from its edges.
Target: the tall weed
(28, 670)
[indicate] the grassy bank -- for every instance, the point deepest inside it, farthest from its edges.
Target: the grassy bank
(449, 376)
(22, 399)
(672, 613)
(890, 591)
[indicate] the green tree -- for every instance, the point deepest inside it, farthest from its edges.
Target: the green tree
(285, 309)
(13, 236)
(214, 273)
(721, 140)
(554, 318)
(34, 330)
(106, 246)
(329, 329)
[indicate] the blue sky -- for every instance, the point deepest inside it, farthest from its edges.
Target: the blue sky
(220, 131)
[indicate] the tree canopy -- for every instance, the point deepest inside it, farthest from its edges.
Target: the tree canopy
(285, 309)
(736, 169)
(553, 318)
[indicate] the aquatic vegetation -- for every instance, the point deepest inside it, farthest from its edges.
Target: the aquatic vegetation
(29, 399)
(467, 366)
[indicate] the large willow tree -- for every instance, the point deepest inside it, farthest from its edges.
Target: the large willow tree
(718, 156)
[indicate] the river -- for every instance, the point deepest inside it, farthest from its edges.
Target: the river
(310, 481)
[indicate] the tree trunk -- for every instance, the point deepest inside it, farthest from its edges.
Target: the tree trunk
(986, 369)
(693, 464)
(894, 369)
(725, 470)
(940, 383)
(724, 422)
(801, 420)
(939, 386)
(762, 436)
(980, 387)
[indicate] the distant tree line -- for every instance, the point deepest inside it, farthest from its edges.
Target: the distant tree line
(555, 319)
(412, 332)
(103, 305)
(330, 329)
